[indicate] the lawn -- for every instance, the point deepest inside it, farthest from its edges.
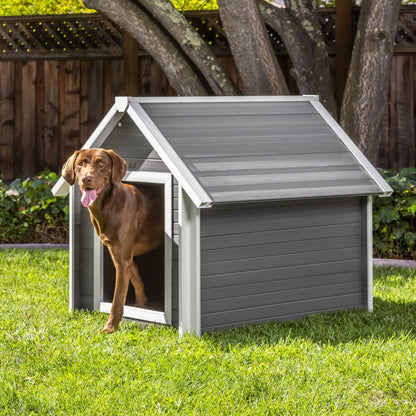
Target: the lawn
(56, 362)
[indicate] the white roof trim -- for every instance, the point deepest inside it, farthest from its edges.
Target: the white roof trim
(173, 162)
(96, 139)
(355, 151)
(224, 99)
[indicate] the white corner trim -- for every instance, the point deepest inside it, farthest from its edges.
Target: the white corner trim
(352, 147)
(169, 156)
(189, 266)
(98, 271)
(72, 251)
(369, 257)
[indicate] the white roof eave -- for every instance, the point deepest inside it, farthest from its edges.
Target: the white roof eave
(385, 189)
(169, 157)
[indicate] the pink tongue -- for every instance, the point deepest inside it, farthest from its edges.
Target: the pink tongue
(88, 198)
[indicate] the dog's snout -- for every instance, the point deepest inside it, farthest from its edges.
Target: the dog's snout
(86, 179)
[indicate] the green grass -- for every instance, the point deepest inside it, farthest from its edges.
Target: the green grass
(56, 362)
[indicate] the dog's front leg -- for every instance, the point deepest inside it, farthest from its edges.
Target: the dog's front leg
(120, 294)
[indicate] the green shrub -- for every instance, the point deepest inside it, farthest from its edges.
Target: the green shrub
(19, 7)
(394, 224)
(29, 213)
(35, 7)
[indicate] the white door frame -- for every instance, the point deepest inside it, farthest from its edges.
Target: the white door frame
(165, 317)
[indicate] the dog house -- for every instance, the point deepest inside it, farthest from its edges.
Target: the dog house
(267, 211)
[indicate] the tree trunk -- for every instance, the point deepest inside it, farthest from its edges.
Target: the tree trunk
(251, 48)
(367, 85)
(133, 18)
(298, 27)
(193, 45)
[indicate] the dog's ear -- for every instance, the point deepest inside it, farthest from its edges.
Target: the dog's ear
(68, 170)
(119, 167)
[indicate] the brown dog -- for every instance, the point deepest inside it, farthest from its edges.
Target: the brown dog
(128, 220)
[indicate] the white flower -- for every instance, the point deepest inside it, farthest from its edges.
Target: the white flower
(12, 192)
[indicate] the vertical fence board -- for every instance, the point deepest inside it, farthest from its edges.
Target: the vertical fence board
(51, 122)
(18, 120)
(7, 119)
(84, 115)
(40, 161)
(95, 94)
(29, 122)
(117, 79)
(414, 110)
(401, 114)
(108, 99)
(62, 102)
(72, 106)
(130, 54)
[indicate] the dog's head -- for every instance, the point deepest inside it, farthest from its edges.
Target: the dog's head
(93, 170)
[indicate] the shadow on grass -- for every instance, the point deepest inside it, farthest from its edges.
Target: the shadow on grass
(388, 320)
(394, 314)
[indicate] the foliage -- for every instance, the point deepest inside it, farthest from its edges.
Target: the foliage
(185, 5)
(30, 213)
(34, 7)
(394, 220)
(56, 362)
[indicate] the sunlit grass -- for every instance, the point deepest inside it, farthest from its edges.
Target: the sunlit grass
(56, 362)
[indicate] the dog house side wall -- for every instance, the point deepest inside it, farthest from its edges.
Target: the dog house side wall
(285, 260)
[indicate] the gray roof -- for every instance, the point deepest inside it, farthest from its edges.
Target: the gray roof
(235, 149)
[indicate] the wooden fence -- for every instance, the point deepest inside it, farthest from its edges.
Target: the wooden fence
(60, 74)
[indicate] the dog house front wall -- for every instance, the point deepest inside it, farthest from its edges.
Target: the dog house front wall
(85, 290)
(277, 261)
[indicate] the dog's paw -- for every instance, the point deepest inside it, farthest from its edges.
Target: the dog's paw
(109, 328)
(141, 303)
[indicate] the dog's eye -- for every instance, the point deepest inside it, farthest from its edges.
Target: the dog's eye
(100, 163)
(80, 163)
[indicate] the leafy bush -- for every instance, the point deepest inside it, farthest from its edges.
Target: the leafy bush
(35, 7)
(29, 213)
(19, 7)
(394, 224)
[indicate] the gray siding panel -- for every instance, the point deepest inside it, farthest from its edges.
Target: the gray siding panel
(296, 271)
(128, 141)
(287, 310)
(280, 261)
(278, 285)
(84, 247)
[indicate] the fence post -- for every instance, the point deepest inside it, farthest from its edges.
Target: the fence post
(131, 65)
